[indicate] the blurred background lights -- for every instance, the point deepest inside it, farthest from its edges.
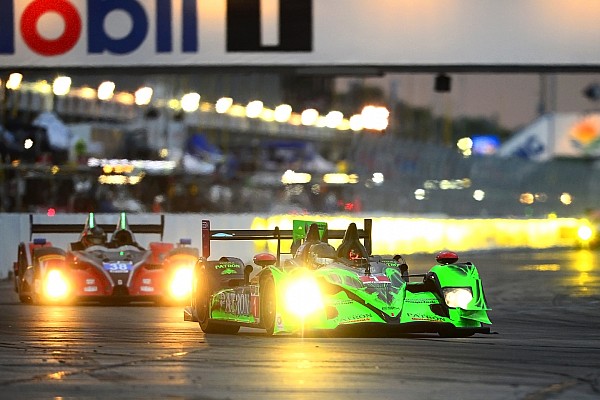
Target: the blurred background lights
(566, 199)
(464, 144)
(356, 122)
(125, 98)
(290, 177)
(377, 178)
(14, 81)
(254, 109)
(190, 102)
(375, 118)
(42, 87)
(309, 116)
(223, 104)
(28, 144)
(143, 96)
(420, 194)
(479, 195)
(86, 93)
(527, 198)
(283, 112)
(372, 117)
(333, 119)
(61, 86)
(106, 90)
(267, 115)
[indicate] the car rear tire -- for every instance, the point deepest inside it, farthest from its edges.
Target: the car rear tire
(268, 305)
(208, 325)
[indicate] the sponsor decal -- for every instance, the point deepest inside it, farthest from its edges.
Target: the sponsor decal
(228, 271)
(89, 20)
(423, 317)
(146, 289)
(235, 303)
(227, 265)
(89, 289)
(421, 301)
(390, 263)
(355, 318)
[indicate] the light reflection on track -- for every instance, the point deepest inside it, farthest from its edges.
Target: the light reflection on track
(545, 309)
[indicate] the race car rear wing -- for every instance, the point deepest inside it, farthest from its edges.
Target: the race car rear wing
(209, 234)
(78, 228)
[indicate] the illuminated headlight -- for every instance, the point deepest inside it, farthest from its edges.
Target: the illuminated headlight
(303, 297)
(458, 297)
(56, 285)
(181, 284)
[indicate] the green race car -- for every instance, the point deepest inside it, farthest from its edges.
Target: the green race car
(321, 288)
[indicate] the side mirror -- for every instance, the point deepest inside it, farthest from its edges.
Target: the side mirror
(264, 259)
(446, 257)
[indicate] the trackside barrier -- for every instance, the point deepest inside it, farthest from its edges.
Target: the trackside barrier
(401, 234)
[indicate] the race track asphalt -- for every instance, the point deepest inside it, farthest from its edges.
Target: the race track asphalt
(546, 345)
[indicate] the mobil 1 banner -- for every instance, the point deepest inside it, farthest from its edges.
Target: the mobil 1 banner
(298, 32)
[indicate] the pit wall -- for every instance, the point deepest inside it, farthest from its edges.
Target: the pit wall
(391, 234)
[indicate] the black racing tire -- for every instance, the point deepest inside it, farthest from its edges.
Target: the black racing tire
(268, 304)
(208, 325)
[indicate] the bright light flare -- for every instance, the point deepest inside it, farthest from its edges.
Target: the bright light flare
(585, 233)
(61, 86)
(458, 297)
(303, 297)
(254, 109)
(14, 81)
(181, 285)
(309, 117)
(283, 112)
(334, 119)
(106, 90)
(375, 118)
(56, 286)
(223, 104)
(143, 96)
(190, 102)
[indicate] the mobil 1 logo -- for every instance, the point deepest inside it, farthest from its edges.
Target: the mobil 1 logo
(269, 26)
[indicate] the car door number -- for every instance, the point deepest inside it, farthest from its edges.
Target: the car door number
(118, 267)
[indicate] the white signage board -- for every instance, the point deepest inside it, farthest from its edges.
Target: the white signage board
(568, 135)
(379, 33)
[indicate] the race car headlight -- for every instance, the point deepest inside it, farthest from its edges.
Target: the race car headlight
(458, 297)
(303, 297)
(181, 284)
(56, 285)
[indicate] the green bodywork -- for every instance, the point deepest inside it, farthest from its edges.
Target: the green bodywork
(347, 300)
(361, 293)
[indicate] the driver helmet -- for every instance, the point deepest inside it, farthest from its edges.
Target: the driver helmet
(322, 254)
(95, 236)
